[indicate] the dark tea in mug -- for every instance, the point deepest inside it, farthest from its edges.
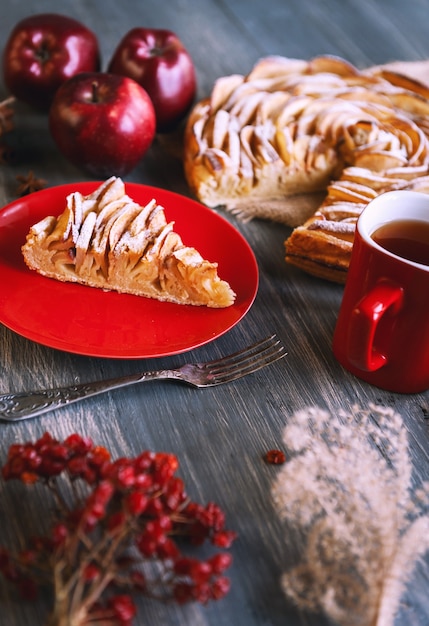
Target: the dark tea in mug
(408, 239)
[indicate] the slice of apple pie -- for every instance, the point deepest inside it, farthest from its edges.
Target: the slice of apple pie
(107, 240)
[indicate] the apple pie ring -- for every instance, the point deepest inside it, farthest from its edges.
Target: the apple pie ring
(309, 144)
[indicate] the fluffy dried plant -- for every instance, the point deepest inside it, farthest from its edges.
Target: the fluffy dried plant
(347, 490)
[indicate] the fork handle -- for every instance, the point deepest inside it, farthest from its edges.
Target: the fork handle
(15, 407)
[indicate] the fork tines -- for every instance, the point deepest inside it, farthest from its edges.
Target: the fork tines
(247, 361)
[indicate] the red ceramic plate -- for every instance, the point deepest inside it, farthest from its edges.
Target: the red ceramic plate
(92, 322)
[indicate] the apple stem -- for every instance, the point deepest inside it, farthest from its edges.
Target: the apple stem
(42, 54)
(95, 91)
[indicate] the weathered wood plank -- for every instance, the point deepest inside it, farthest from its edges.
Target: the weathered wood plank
(221, 434)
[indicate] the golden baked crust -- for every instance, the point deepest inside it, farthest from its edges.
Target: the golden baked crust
(322, 246)
(309, 143)
(107, 240)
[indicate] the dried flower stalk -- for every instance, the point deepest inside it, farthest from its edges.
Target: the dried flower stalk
(347, 490)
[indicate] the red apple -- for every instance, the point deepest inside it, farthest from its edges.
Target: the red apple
(42, 52)
(102, 123)
(159, 62)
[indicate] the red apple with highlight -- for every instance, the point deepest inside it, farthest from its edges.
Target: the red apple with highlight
(102, 123)
(160, 63)
(42, 52)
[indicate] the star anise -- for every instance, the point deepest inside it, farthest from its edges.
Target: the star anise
(6, 115)
(29, 183)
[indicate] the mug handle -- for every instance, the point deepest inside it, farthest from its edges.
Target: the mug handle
(364, 321)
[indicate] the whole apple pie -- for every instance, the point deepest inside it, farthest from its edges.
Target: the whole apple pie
(309, 144)
(109, 241)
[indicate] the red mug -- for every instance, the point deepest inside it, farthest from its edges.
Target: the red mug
(382, 330)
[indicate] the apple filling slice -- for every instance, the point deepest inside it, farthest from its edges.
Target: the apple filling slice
(107, 240)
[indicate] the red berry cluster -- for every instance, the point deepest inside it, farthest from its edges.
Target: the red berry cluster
(123, 533)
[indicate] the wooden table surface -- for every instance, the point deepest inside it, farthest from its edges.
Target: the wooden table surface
(221, 434)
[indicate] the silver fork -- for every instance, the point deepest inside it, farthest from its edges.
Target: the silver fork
(19, 406)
